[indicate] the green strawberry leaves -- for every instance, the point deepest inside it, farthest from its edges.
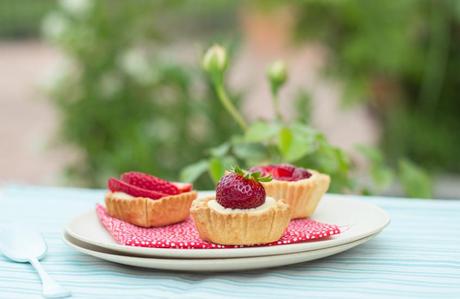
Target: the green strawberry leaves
(256, 176)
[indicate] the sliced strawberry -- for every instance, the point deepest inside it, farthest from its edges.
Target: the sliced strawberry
(149, 182)
(183, 187)
(119, 186)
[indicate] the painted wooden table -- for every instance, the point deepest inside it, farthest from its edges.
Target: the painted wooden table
(417, 256)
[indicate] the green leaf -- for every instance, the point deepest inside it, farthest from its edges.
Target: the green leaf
(194, 171)
(229, 162)
(343, 160)
(414, 180)
(251, 153)
(257, 176)
(216, 169)
(238, 170)
(261, 131)
(382, 176)
(372, 154)
(221, 150)
(327, 158)
(296, 142)
(285, 141)
(218, 165)
(265, 179)
(305, 131)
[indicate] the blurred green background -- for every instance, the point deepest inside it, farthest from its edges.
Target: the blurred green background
(131, 93)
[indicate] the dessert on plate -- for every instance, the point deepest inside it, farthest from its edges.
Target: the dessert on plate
(300, 188)
(148, 201)
(240, 213)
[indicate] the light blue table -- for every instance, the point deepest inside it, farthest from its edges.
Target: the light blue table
(417, 256)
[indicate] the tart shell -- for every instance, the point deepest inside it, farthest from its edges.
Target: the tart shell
(245, 228)
(302, 196)
(146, 212)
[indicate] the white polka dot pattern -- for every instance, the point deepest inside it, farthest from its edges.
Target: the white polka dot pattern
(185, 236)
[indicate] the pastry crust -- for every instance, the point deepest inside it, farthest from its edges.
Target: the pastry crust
(245, 228)
(147, 212)
(302, 196)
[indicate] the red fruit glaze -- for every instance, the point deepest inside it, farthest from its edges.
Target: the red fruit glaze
(283, 172)
(119, 186)
(149, 182)
(300, 174)
(234, 191)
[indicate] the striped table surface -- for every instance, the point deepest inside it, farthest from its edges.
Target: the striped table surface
(416, 256)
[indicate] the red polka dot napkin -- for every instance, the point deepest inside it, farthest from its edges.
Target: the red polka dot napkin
(185, 236)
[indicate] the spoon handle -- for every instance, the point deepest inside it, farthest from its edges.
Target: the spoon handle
(51, 289)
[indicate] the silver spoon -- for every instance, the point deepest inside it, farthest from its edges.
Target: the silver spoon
(25, 245)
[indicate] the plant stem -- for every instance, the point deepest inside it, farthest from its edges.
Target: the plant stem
(225, 100)
(276, 103)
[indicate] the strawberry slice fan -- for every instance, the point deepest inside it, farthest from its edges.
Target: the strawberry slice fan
(185, 236)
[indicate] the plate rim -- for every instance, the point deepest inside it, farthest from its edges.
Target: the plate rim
(164, 262)
(227, 252)
(96, 248)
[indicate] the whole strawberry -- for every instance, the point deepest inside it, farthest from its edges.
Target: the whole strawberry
(239, 189)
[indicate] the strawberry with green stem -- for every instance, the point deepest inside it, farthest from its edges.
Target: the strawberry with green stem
(240, 189)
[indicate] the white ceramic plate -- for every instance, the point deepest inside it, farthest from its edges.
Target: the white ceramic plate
(359, 218)
(209, 265)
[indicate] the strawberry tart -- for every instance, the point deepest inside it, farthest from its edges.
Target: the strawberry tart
(300, 188)
(240, 213)
(148, 201)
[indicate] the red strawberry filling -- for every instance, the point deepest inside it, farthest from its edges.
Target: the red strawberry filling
(140, 184)
(237, 190)
(119, 186)
(300, 174)
(145, 181)
(283, 172)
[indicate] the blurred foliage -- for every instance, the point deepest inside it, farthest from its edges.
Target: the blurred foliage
(125, 103)
(278, 141)
(402, 58)
(22, 18)
(415, 181)
(381, 174)
(275, 142)
(128, 102)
